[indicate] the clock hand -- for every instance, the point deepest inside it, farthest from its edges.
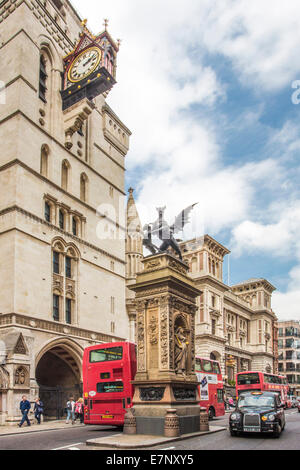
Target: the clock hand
(89, 60)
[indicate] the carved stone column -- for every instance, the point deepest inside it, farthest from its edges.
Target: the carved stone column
(165, 379)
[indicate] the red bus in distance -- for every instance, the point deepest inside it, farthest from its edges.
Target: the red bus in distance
(211, 391)
(108, 370)
(260, 381)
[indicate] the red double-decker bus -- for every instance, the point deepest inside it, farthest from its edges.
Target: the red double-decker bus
(254, 380)
(211, 391)
(108, 370)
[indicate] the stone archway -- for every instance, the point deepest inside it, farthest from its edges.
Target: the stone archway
(59, 376)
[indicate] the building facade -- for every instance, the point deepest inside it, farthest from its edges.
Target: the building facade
(62, 217)
(235, 324)
(289, 353)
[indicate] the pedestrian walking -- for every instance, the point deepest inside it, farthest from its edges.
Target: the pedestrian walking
(24, 407)
(70, 410)
(79, 410)
(38, 409)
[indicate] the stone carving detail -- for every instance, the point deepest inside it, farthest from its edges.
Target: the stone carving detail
(57, 282)
(152, 393)
(181, 351)
(184, 394)
(20, 347)
(141, 352)
(152, 264)
(171, 428)
(21, 375)
(153, 330)
(164, 337)
(177, 266)
(193, 343)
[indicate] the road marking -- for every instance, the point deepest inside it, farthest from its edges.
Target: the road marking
(67, 447)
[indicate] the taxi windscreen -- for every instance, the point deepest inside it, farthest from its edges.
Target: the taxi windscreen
(256, 401)
(106, 354)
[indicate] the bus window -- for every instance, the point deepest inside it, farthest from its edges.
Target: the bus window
(106, 354)
(198, 364)
(206, 366)
(220, 397)
(110, 387)
(216, 368)
(248, 379)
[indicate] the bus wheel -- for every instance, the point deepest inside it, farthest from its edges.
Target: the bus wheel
(211, 413)
(233, 433)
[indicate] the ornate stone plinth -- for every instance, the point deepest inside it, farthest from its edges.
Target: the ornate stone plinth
(165, 379)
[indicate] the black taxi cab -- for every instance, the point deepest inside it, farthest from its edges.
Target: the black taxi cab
(258, 412)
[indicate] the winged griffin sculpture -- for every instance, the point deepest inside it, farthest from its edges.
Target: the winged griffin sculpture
(165, 232)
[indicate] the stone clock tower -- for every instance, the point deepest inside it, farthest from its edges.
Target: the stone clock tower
(62, 226)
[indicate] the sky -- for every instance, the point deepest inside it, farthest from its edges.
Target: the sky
(211, 92)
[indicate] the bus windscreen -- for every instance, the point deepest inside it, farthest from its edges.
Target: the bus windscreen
(106, 354)
(248, 379)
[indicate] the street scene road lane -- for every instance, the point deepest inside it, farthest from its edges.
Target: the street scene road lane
(75, 438)
(289, 439)
(50, 440)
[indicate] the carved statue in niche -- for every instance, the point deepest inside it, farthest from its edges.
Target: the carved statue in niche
(20, 376)
(181, 351)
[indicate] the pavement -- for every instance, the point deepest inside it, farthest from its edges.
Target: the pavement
(142, 441)
(45, 426)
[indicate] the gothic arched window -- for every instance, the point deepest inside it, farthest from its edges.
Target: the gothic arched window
(44, 160)
(65, 167)
(42, 79)
(83, 187)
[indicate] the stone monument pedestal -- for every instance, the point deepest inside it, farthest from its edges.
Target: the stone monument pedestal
(166, 398)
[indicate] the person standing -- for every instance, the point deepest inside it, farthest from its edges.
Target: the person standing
(79, 410)
(24, 407)
(38, 409)
(231, 402)
(71, 410)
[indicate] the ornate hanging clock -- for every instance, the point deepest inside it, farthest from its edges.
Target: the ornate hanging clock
(89, 70)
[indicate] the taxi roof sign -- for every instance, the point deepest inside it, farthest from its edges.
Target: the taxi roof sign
(256, 393)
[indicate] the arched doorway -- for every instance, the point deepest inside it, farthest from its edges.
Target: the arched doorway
(58, 374)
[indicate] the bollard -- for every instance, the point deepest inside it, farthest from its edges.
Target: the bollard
(129, 422)
(204, 426)
(171, 423)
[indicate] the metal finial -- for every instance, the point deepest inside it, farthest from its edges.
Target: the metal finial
(105, 24)
(83, 23)
(119, 42)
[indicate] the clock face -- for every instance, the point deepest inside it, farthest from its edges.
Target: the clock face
(84, 64)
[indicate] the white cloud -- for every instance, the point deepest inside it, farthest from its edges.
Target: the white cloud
(162, 75)
(286, 305)
(280, 238)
